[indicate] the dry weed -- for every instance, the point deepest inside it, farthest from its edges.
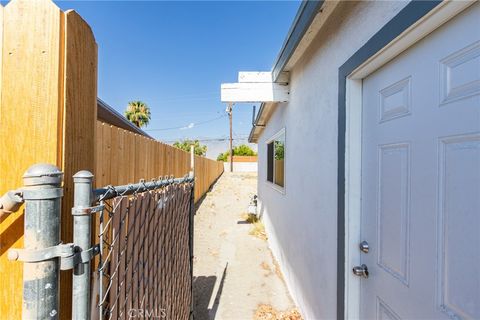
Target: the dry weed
(277, 269)
(267, 312)
(258, 230)
(265, 266)
(223, 234)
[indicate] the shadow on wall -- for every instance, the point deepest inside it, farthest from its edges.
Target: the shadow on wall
(260, 210)
(12, 232)
(203, 290)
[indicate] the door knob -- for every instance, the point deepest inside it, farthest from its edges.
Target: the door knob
(364, 246)
(361, 271)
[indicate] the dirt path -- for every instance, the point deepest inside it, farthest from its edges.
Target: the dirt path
(235, 276)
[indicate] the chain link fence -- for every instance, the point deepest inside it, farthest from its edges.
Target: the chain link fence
(141, 258)
(145, 261)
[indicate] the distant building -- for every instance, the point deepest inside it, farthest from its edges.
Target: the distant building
(242, 164)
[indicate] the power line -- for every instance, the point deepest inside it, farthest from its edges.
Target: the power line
(208, 139)
(177, 115)
(193, 124)
(195, 96)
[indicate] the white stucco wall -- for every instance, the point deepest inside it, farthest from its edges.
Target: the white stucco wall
(302, 222)
(241, 166)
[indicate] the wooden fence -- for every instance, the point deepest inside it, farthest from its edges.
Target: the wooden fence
(124, 157)
(243, 159)
(48, 113)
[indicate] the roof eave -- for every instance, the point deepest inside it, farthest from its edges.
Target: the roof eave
(255, 128)
(305, 15)
(106, 113)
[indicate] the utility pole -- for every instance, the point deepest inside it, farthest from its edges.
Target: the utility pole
(192, 160)
(229, 111)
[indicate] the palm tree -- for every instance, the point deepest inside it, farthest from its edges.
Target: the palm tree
(138, 113)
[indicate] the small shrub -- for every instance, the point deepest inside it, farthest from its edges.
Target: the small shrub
(250, 218)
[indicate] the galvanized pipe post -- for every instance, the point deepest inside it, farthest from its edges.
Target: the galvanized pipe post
(191, 224)
(83, 198)
(42, 195)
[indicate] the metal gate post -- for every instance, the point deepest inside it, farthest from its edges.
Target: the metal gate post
(191, 227)
(191, 223)
(83, 197)
(42, 195)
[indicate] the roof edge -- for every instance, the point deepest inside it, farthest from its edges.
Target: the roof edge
(109, 115)
(255, 123)
(304, 17)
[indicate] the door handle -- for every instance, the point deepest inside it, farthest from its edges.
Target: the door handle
(364, 247)
(361, 271)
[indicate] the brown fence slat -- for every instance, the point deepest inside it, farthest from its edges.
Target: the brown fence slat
(130, 257)
(150, 261)
(136, 254)
(115, 255)
(123, 259)
(147, 241)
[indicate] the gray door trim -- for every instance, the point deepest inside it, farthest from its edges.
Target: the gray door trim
(408, 16)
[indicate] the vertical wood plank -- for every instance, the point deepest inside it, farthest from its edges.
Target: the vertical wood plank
(138, 158)
(122, 158)
(113, 160)
(30, 109)
(98, 154)
(131, 157)
(79, 122)
(106, 153)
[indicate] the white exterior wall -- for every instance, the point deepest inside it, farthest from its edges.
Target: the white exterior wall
(241, 166)
(302, 222)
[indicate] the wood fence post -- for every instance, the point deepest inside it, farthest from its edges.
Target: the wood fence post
(48, 78)
(79, 125)
(31, 100)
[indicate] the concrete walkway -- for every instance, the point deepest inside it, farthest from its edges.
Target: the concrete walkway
(235, 276)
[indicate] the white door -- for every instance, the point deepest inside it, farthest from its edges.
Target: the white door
(421, 178)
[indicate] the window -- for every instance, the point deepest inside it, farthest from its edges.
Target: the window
(276, 159)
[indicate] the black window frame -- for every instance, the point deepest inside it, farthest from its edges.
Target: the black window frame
(270, 162)
(270, 145)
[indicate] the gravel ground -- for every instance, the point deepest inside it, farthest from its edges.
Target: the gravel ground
(235, 275)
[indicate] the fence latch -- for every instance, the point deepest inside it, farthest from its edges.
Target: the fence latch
(87, 211)
(68, 253)
(11, 202)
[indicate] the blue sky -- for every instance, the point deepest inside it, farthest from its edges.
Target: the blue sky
(175, 55)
